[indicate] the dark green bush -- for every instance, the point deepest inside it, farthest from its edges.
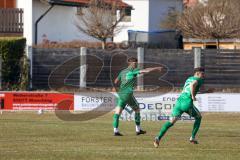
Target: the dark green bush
(12, 51)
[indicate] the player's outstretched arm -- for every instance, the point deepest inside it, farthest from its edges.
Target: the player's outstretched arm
(147, 70)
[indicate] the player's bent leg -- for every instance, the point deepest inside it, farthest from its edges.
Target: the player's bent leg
(164, 129)
(166, 126)
(177, 112)
(116, 116)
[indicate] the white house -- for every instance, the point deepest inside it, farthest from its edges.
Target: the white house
(55, 19)
(147, 15)
(52, 19)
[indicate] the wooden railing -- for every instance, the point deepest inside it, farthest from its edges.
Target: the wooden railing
(11, 21)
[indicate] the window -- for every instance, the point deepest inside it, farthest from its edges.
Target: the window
(211, 46)
(127, 13)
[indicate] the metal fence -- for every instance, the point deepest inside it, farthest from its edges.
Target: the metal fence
(60, 67)
(11, 20)
(222, 67)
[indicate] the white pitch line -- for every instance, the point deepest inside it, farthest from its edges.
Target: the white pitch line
(114, 149)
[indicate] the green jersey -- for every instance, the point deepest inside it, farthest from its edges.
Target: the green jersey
(128, 79)
(187, 90)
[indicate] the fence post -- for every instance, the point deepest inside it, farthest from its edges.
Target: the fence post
(83, 67)
(197, 57)
(140, 57)
(30, 57)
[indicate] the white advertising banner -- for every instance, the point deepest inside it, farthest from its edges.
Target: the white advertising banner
(156, 106)
(88, 101)
(219, 102)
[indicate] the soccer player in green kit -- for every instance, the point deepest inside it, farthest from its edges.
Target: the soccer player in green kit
(185, 104)
(128, 78)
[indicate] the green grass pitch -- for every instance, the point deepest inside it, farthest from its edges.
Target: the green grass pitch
(26, 136)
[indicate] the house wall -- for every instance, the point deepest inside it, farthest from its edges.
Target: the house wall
(228, 46)
(189, 46)
(26, 5)
(222, 45)
(57, 25)
(147, 15)
(139, 19)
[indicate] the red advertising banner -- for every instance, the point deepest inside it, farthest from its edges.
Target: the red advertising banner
(35, 101)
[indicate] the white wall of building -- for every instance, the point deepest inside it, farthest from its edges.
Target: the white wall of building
(139, 19)
(59, 24)
(26, 5)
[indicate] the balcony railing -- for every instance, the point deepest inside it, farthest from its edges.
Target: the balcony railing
(11, 22)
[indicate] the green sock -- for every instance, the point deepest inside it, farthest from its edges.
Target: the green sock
(115, 120)
(137, 119)
(164, 129)
(196, 126)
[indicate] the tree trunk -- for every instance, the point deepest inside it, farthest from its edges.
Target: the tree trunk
(104, 44)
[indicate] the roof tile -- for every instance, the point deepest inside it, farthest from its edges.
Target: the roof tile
(120, 3)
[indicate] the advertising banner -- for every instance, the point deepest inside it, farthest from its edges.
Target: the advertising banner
(219, 102)
(89, 101)
(34, 101)
(155, 106)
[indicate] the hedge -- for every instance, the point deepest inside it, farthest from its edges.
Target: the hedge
(12, 53)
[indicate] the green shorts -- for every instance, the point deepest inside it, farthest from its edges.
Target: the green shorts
(185, 104)
(124, 99)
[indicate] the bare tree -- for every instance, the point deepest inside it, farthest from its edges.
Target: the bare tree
(170, 20)
(217, 19)
(100, 20)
